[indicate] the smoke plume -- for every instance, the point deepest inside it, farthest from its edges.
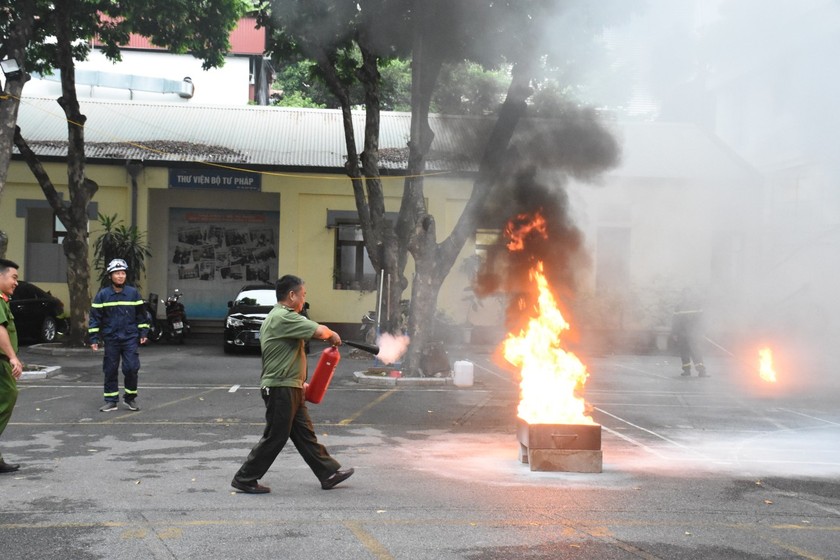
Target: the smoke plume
(549, 152)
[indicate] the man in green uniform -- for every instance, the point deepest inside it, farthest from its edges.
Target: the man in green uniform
(282, 337)
(10, 366)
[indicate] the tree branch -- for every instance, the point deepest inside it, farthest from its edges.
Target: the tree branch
(41, 175)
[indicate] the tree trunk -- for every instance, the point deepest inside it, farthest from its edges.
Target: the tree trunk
(416, 227)
(73, 216)
(20, 31)
(75, 244)
(433, 261)
(81, 188)
(382, 244)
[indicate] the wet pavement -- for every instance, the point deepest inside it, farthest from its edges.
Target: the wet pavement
(723, 467)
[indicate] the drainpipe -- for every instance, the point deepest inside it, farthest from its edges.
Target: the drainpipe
(134, 168)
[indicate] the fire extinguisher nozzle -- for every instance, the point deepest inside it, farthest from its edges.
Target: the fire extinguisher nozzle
(370, 348)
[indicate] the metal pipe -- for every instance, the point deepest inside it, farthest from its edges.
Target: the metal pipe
(379, 303)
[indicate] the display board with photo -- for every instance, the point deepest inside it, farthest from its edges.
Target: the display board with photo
(212, 253)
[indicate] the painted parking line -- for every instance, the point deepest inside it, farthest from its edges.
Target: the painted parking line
(574, 529)
(376, 548)
(367, 407)
(810, 416)
(658, 436)
(160, 406)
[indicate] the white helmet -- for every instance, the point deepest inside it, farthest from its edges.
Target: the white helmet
(115, 265)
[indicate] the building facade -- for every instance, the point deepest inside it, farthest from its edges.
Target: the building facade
(232, 195)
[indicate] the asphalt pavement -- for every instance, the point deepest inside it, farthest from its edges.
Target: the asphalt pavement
(725, 467)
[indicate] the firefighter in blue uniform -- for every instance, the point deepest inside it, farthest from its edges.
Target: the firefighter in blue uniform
(686, 329)
(118, 318)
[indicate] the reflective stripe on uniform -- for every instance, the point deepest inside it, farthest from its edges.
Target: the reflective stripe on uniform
(116, 303)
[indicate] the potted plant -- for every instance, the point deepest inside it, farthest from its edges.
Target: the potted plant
(120, 242)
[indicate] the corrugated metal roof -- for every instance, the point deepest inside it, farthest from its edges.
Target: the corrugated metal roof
(252, 135)
(281, 137)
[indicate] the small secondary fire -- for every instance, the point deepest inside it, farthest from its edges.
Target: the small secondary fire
(554, 433)
(765, 365)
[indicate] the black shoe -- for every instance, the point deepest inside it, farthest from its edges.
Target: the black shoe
(250, 487)
(335, 478)
(132, 405)
(8, 467)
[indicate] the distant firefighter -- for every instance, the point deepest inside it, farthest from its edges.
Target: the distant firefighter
(686, 330)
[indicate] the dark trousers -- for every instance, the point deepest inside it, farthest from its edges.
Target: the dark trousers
(689, 354)
(8, 395)
(286, 416)
(125, 351)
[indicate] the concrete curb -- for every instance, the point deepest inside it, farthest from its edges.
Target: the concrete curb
(41, 373)
(381, 381)
(58, 349)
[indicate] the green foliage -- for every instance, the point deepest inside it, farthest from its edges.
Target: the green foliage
(120, 242)
(395, 90)
(297, 99)
(200, 28)
(466, 88)
(301, 87)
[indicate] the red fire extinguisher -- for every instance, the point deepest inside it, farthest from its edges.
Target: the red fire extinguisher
(322, 375)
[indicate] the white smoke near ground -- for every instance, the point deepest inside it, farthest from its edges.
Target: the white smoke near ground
(392, 347)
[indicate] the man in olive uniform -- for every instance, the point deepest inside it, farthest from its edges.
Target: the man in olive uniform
(282, 382)
(10, 366)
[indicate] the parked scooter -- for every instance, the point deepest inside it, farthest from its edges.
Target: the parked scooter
(155, 331)
(175, 326)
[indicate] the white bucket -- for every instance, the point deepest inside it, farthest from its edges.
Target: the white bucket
(463, 376)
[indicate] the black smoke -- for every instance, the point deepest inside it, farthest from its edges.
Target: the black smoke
(548, 152)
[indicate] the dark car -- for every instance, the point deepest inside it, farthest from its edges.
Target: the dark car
(38, 314)
(246, 314)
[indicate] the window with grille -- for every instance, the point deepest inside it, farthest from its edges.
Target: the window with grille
(353, 270)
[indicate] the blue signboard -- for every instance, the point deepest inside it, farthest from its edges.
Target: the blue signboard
(214, 179)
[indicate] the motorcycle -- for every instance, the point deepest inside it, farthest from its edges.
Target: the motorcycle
(151, 305)
(176, 326)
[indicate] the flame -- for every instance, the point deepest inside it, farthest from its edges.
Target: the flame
(520, 227)
(765, 365)
(551, 376)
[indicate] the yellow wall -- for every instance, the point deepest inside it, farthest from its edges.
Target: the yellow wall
(306, 246)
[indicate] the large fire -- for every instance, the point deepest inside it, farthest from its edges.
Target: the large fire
(522, 226)
(551, 377)
(765, 365)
